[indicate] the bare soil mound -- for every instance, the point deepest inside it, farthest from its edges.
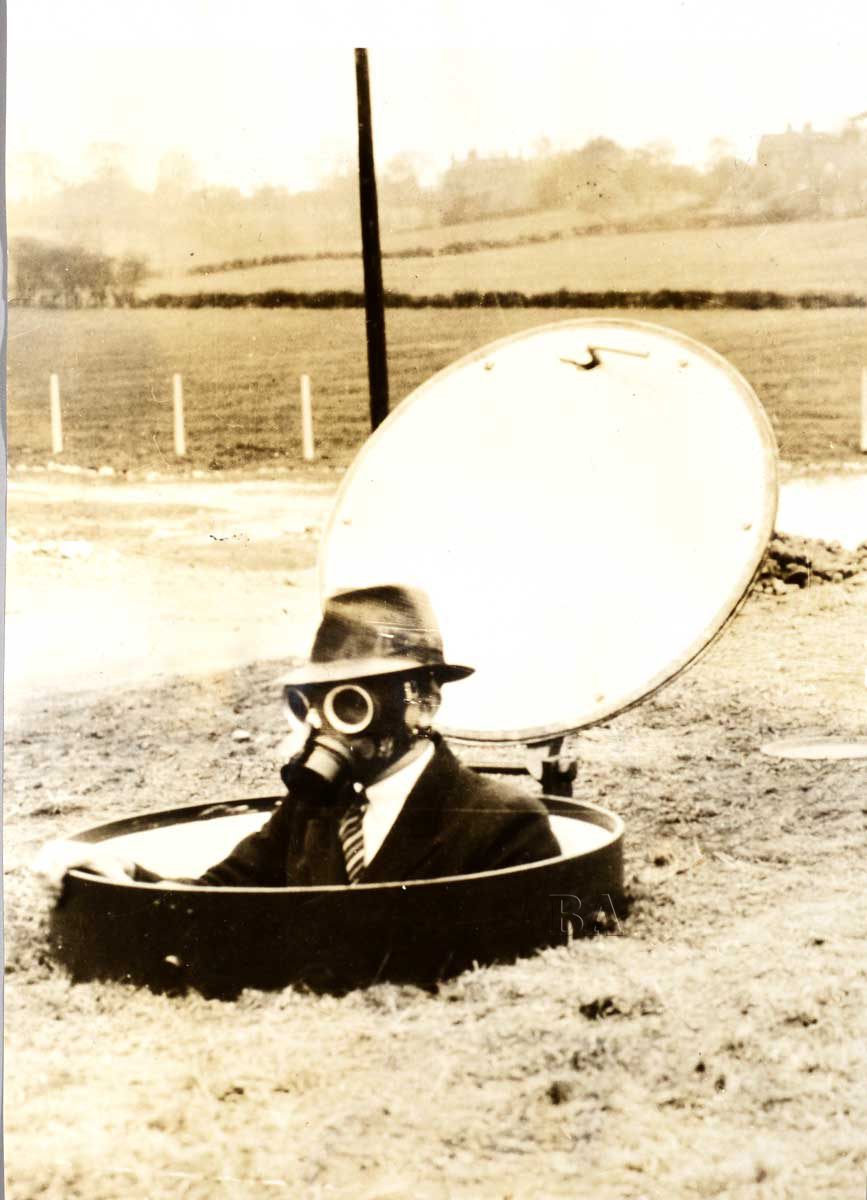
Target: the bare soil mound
(799, 562)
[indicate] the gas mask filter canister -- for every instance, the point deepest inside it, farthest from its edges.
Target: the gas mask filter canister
(347, 710)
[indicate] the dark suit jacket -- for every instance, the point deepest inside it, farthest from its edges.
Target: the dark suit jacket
(453, 822)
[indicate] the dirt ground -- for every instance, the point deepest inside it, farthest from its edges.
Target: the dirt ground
(112, 582)
(714, 1045)
(115, 582)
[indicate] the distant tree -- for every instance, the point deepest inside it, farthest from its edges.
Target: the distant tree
(53, 275)
(29, 262)
(95, 273)
(32, 176)
(719, 148)
(108, 162)
(661, 152)
(129, 273)
(177, 176)
(71, 269)
(399, 179)
(590, 178)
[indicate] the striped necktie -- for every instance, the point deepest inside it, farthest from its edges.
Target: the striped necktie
(352, 837)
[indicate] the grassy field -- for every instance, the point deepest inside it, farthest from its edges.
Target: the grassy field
(714, 1047)
(552, 223)
(241, 372)
(790, 257)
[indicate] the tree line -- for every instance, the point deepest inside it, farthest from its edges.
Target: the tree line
(183, 220)
(58, 276)
(605, 186)
(753, 299)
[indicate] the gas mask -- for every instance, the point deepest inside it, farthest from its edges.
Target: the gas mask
(356, 729)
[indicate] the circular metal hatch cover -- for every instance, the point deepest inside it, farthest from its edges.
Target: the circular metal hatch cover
(586, 504)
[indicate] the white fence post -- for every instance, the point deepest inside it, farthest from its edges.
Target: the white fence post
(180, 437)
(56, 421)
(307, 447)
(864, 410)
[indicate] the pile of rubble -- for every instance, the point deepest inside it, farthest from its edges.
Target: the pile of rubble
(798, 562)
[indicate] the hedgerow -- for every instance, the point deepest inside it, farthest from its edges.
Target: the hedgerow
(676, 298)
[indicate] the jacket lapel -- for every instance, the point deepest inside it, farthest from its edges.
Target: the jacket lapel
(416, 833)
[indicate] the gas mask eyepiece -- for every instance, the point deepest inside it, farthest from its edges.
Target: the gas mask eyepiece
(296, 707)
(349, 709)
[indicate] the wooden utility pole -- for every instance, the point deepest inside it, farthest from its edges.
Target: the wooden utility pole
(374, 299)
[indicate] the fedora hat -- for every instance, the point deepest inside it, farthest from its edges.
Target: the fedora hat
(375, 631)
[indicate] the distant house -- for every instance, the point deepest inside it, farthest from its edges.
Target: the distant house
(827, 172)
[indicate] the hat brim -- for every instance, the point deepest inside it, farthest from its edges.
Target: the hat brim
(366, 668)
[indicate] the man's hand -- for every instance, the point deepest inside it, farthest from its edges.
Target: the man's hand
(56, 858)
(294, 745)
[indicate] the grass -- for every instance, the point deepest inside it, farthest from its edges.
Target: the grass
(504, 230)
(715, 1048)
(241, 370)
(788, 257)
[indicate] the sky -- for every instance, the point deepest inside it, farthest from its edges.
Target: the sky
(263, 92)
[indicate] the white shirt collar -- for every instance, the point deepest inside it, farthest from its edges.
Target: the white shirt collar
(402, 778)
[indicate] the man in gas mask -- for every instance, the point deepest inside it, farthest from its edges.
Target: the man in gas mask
(373, 794)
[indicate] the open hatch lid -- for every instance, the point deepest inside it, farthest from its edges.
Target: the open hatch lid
(586, 503)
